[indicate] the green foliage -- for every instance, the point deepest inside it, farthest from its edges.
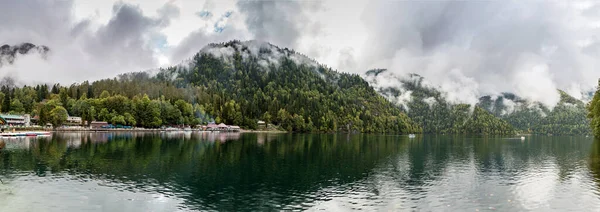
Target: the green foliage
(58, 116)
(429, 108)
(118, 120)
(16, 106)
(6, 103)
(104, 115)
(568, 117)
(129, 119)
(434, 114)
(593, 108)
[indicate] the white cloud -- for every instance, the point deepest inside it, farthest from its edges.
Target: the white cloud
(469, 48)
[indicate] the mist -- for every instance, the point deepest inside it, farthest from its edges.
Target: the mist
(466, 48)
(475, 48)
(78, 51)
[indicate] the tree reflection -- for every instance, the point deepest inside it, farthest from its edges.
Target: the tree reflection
(223, 171)
(594, 160)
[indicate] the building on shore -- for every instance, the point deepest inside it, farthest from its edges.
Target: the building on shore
(211, 127)
(74, 120)
(223, 127)
(15, 120)
(261, 124)
(98, 124)
(220, 127)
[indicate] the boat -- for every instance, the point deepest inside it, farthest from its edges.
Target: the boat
(32, 134)
(522, 137)
(411, 135)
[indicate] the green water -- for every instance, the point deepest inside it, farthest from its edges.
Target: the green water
(250, 172)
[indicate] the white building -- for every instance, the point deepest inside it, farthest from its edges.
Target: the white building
(16, 120)
(74, 120)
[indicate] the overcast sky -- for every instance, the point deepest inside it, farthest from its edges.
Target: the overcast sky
(467, 47)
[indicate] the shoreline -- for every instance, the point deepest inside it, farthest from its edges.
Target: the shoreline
(135, 130)
(262, 131)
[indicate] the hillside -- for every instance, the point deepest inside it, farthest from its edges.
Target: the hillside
(263, 81)
(236, 83)
(593, 109)
(428, 107)
(568, 117)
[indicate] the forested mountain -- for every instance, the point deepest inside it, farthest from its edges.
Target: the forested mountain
(593, 108)
(426, 105)
(246, 81)
(568, 117)
(8, 53)
(236, 83)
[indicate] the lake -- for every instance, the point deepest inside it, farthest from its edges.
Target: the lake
(331, 172)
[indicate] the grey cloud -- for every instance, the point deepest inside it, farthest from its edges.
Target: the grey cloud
(78, 52)
(523, 47)
(167, 12)
(33, 20)
(346, 59)
(279, 22)
(192, 43)
(125, 35)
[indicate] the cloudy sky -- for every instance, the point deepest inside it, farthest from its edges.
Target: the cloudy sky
(468, 48)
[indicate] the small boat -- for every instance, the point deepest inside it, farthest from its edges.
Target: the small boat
(15, 134)
(43, 133)
(522, 137)
(411, 135)
(8, 134)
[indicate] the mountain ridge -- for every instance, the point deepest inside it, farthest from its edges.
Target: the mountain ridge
(525, 115)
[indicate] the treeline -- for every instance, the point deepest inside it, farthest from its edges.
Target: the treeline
(568, 117)
(593, 108)
(434, 114)
(237, 89)
(503, 114)
(54, 105)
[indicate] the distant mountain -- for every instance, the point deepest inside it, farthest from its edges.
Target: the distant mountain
(568, 117)
(9, 53)
(426, 105)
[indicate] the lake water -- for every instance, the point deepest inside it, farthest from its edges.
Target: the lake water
(250, 172)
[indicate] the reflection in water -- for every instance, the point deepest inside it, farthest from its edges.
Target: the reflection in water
(232, 171)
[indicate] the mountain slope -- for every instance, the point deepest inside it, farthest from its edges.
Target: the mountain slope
(568, 117)
(282, 86)
(242, 82)
(593, 109)
(428, 107)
